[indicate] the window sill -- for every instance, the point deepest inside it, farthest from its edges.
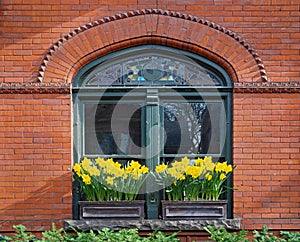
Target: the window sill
(152, 224)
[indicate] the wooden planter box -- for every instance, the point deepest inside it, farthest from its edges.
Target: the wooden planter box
(112, 210)
(176, 210)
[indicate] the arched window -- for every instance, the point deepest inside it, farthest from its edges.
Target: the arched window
(152, 104)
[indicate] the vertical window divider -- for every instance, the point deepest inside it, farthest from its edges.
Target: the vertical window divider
(152, 148)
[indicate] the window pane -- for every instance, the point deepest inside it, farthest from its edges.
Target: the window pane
(152, 67)
(112, 129)
(193, 128)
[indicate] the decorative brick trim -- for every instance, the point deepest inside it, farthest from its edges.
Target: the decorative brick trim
(32, 88)
(267, 87)
(64, 88)
(63, 61)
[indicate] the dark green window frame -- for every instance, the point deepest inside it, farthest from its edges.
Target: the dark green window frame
(152, 96)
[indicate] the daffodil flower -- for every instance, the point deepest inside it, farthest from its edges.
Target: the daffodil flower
(222, 176)
(86, 163)
(86, 179)
(110, 180)
(77, 169)
(161, 168)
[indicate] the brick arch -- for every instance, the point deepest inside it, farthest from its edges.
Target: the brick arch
(151, 26)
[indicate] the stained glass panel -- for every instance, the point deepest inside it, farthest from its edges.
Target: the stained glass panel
(152, 69)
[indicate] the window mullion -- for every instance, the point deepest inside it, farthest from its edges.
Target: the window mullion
(152, 149)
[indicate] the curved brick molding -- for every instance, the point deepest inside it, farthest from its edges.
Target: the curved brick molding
(152, 26)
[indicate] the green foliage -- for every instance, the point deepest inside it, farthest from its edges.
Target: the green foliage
(104, 235)
(4, 238)
(159, 236)
(290, 236)
(54, 235)
(122, 235)
(265, 236)
(86, 237)
(21, 235)
(131, 235)
(222, 235)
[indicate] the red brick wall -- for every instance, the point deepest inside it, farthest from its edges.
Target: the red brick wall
(35, 153)
(35, 134)
(28, 30)
(267, 153)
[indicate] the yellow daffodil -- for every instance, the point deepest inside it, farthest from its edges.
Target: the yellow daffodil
(208, 163)
(185, 161)
(86, 163)
(228, 169)
(182, 178)
(94, 171)
(191, 180)
(185, 179)
(176, 164)
(119, 172)
(208, 176)
(117, 165)
(129, 169)
(144, 170)
(161, 168)
(219, 167)
(86, 179)
(222, 176)
(194, 171)
(135, 164)
(199, 162)
(113, 170)
(77, 169)
(110, 180)
(174, 173)
(102, 173)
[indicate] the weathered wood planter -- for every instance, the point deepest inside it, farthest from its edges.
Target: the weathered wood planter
(112, 210)
(176, 210)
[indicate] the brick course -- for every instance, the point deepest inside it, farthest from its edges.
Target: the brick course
(266, 148)
(35, 120)
(35, 143)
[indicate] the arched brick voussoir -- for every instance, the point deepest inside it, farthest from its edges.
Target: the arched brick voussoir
(152, 26)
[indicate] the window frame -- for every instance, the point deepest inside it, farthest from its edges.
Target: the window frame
(82, 94)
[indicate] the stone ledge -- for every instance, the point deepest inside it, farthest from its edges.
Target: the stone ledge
(152, 224)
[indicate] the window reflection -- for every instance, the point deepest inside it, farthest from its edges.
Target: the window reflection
(187, 128)
(101, 138)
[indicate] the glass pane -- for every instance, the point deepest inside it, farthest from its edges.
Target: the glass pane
(193, 128)
(152, 67)
(112, 129)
